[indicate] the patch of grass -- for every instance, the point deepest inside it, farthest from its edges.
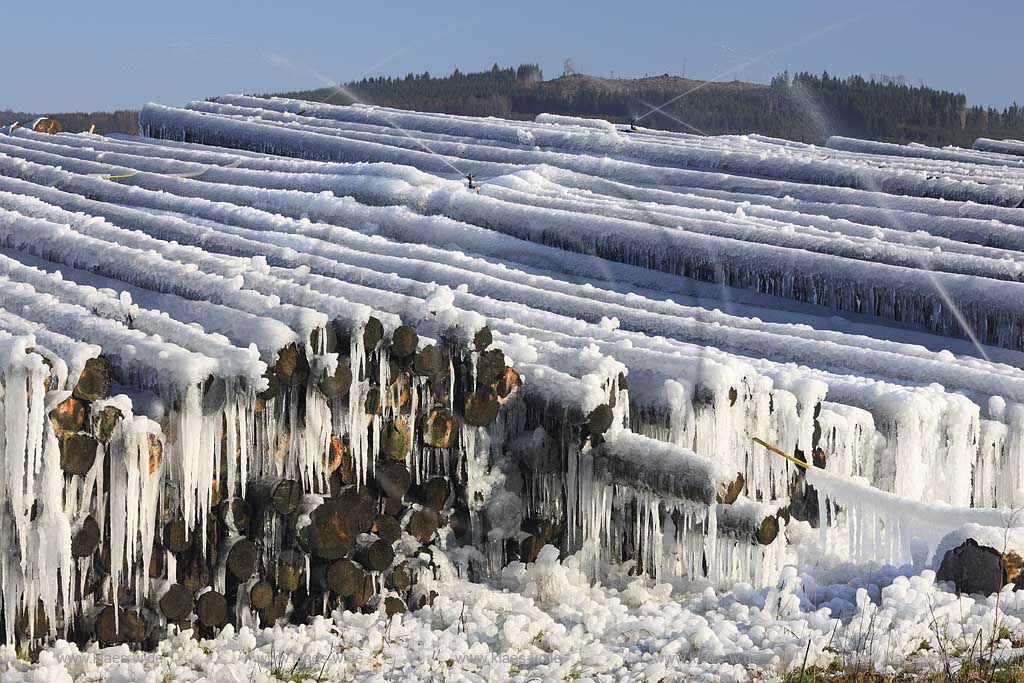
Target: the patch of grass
(293, 674)
(972, 672)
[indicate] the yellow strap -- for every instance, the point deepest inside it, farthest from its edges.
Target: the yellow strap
(784, 454)
(233, 164)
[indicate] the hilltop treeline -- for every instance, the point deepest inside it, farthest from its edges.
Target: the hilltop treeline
(804, 106)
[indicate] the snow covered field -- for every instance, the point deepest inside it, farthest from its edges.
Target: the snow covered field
(548, 622)
(663, 299)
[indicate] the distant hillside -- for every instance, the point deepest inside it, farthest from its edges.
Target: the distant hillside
(805, 106)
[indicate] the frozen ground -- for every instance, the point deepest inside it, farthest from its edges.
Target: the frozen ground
(548, 621)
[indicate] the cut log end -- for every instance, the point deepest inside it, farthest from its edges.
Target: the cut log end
(87, 539)
(394, 605)
(212, 609)
(105, 423)
(373, 333)
(242, 559)
(600, 419)
(176, 537)
(404, 342)
(96, 380)
(489, 367)
(292, 368)
(362, 595)
(423, 524)
(482, 339)
(261, 595)
(345, 577)
(337, 384)
(429, 362)
(980, 570)
(395, 439)
(434, 492)
(78, 453)
(768, 531)
(438, 428)
(394, 479)
(69, 417)
(107, 629)
(387, 528)
(288, 577)
(400, 578)
(331, 532)
(482, 407)
(280, 495)
(234, 513)
(732, 490)
(176, 604)
(376, 556)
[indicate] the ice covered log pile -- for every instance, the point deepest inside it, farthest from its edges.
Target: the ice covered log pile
(874, 264)
(1015, 147)
(704, 379)
(207, 428)
(628, 197)
(258, 490)
(348, 368)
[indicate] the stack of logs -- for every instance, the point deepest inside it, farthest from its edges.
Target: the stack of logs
(278, 550)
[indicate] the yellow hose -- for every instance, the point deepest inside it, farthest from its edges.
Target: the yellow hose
(784, 454)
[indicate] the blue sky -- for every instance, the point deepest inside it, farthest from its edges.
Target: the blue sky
(86, 56)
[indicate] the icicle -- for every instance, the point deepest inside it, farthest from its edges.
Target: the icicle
(711, 541)
(358, 437)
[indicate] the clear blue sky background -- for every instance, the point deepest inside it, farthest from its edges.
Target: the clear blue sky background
(87, 56)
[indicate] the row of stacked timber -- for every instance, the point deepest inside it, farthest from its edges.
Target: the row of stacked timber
(209, 429)
(406, 480)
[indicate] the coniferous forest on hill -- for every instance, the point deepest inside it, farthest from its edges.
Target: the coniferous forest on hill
(804, 106)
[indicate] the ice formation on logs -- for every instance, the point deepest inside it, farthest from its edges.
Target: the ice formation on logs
(273, 357)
